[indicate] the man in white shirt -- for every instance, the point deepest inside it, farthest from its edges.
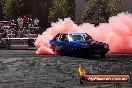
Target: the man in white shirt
(36, 21)
(20, 22)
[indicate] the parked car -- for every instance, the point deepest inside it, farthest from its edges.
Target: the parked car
(78, 44)
(4, 43)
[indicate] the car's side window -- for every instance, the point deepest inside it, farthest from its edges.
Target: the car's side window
(59, 37)
(63, 37)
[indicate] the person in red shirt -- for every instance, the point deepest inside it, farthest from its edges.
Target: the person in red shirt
(25, 22)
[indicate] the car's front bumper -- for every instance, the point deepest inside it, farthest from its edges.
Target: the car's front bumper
(86, 51)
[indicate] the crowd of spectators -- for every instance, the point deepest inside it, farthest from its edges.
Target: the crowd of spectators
(19, 28)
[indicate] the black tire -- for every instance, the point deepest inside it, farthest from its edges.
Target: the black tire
(76, 52)
(53, 48)
(31, 42)
(102, 55)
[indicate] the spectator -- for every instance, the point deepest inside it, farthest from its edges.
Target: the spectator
(36, 21)
(20, 22)
(30, 20)
(1, 30)
(25, 22)
(4, 34)
(12, 22)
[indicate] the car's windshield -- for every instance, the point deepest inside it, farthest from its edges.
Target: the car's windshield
(75, 37)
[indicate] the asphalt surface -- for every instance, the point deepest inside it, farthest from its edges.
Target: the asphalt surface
(25, 69)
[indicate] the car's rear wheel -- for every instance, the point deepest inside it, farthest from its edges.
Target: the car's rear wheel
(76, 51)
(102, 55)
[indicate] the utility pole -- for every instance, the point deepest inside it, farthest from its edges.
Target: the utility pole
(98, 13)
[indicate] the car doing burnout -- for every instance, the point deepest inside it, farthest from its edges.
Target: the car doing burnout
(78, 44)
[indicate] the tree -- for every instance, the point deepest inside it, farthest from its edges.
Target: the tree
(99, 11)
(1, 11)
(15, 8)
(117, 7)
(71, 9)
(12, 9)
(58, 10)
(6, 4)
(39, 8)
(61, 9)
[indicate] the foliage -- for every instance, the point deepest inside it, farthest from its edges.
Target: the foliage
(61, 9)
(14, 8)
(71, 9)
(58, 10)
(117, 7)
(98, 11)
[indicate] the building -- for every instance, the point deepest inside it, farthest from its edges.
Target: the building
(128, 4)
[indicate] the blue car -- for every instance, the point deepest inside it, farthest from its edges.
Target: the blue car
(78, 44)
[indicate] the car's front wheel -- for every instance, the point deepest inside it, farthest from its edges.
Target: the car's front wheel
(53, 48)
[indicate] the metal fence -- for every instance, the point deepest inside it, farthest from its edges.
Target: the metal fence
(17, 43)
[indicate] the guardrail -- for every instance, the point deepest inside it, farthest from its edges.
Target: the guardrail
(17, 43)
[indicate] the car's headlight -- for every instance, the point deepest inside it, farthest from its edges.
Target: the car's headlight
(106, 46)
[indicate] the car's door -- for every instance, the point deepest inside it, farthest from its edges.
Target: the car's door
(61, 42)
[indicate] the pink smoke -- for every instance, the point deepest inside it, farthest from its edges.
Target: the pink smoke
(117, 33)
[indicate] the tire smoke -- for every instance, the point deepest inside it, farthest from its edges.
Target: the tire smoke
(117, 33)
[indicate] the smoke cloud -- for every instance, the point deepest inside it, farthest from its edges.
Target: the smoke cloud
(117, 33)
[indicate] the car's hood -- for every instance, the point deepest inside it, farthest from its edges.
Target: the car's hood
(99, 43)
(78, 41)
